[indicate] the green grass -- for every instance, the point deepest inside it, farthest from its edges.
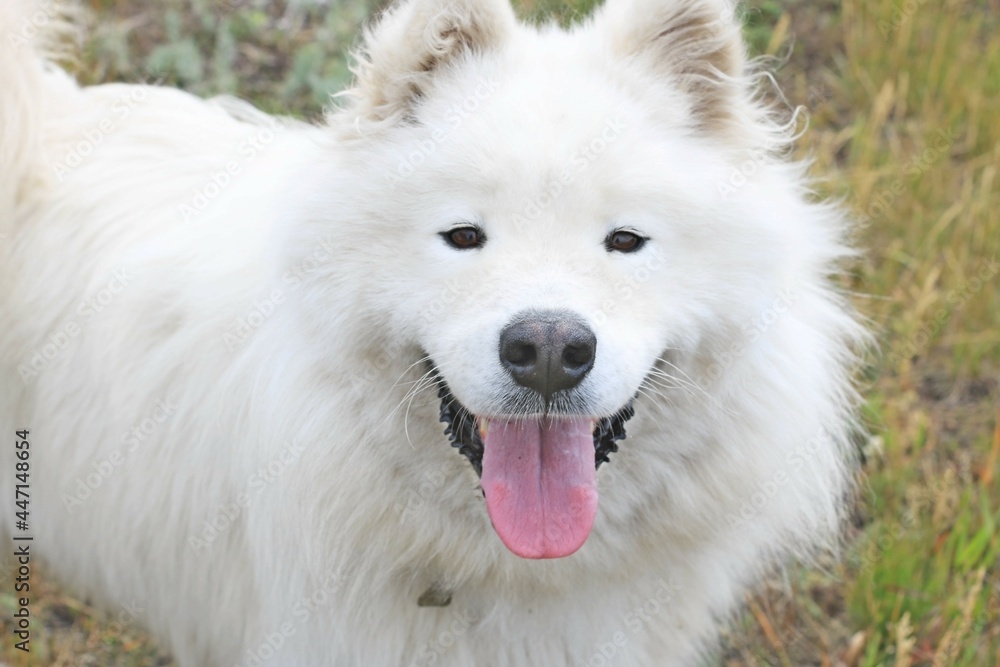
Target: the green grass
(905, 125)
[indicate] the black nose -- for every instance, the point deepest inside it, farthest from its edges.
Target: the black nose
(547, 351)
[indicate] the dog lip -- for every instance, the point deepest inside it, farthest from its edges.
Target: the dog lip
(467, 431)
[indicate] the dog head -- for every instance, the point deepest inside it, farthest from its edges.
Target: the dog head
(551, 217)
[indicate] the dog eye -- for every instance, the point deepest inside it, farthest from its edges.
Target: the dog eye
(465, 238)
(622, 241)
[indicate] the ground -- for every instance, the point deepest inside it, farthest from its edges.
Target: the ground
(903, 102)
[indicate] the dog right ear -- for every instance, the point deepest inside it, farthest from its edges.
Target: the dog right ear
(695, 44)
(415, 40)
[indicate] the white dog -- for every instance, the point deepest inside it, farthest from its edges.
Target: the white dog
(233, 340)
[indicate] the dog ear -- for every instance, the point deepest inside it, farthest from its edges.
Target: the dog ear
(416, 39)
(696, 43)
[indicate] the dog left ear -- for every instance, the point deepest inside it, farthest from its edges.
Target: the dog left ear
(697, 44)
(417, 38)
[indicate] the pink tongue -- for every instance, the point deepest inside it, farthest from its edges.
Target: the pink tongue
(541, 484)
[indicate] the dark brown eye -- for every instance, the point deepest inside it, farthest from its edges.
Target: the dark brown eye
(465, 238)
(622, 241)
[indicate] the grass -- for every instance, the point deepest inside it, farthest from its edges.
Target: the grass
(904, 101)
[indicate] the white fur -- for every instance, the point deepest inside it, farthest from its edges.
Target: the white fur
(367, 487)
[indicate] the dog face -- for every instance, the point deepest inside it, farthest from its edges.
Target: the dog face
(552, 228)
(546, 275)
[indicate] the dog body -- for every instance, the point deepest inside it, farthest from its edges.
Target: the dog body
(227, 335)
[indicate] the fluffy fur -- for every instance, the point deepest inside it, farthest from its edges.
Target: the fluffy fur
(215, 326)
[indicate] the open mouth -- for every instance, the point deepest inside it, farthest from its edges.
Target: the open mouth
(538, 473)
